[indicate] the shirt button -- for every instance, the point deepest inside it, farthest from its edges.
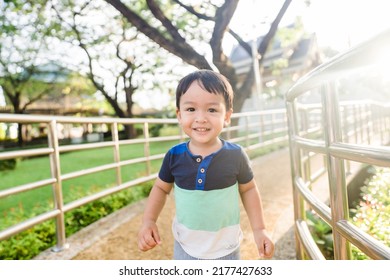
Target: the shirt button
(202, 170)
(200, 181)
(198, 159)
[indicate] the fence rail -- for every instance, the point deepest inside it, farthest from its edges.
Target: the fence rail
(268, 126)
(350, 134)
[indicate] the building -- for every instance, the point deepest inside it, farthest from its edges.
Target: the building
(59, 101)
(282, 65)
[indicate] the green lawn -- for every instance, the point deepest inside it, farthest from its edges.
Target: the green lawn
(35, 169)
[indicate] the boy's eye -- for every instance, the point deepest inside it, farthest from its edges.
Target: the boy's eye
(190, 109)
(212, 110)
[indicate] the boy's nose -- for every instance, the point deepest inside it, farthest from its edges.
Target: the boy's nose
(200, 118)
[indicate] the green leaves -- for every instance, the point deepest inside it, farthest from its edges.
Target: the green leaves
(30, 243)
(372, 215)
(373, 212)
(322, 234)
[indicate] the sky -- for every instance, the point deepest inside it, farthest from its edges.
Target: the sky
(339, 24)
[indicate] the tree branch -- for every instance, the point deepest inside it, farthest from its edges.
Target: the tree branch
(36, 98)
(241, 42)
(272, 31)
(158, 13)
(181, 49)
(265, 44)
(223, 16)
(191, 10)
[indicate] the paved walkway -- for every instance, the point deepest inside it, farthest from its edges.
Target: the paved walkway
(115, 237)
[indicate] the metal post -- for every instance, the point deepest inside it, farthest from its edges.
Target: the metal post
(296, 171)
(147, 148)
(346, 133)
(55, 169)
(117, 159)
(336, 172)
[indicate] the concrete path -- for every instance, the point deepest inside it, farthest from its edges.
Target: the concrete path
(115, 237)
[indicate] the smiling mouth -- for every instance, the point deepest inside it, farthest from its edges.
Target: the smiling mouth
(201, 129)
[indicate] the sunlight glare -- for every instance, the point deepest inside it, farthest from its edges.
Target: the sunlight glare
(343, 24)
(338, 24)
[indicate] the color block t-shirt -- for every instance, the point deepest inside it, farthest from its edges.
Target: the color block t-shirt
(207, 222)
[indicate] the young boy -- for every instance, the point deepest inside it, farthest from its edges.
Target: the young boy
(208, 175)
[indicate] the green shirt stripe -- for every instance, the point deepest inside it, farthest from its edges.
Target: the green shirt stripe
(207, 210)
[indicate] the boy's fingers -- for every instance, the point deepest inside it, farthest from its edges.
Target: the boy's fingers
(261, 250)
(268, 250)
(156, 237)
(146, 244)
(150, 241)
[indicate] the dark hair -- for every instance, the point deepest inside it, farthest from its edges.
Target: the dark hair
(210, 81)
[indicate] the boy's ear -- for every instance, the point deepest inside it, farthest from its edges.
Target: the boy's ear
(228, 117)
(178, 115)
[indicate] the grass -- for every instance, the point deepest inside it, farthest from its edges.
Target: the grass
(35, 169)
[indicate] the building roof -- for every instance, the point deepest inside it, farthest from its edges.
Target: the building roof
(51, 73)
(296, 53)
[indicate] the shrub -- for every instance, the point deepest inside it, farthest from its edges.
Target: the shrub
(371, 215)
(33, 241)
(322, 234)
(8, 164)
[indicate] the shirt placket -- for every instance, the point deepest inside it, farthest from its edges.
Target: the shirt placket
(202, 170)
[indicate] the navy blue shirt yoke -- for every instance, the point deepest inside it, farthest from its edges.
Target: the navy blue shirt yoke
(219, 170)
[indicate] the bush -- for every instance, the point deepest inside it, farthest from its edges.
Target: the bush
(33, 241)
(8, 164)
(371, 215)
(322, 234)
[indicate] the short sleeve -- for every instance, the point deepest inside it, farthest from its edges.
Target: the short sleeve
(245, 170)
(165, 173)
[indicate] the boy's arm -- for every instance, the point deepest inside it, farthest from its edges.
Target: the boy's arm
(251, 200)
(148, 236)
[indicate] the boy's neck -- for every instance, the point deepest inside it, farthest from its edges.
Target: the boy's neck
(205, 149)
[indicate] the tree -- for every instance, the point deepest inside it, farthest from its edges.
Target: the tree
(119, 60)
(22, 39)
(180, 29)
(24, 47)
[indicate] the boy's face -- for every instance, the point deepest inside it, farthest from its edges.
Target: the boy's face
(202, 114)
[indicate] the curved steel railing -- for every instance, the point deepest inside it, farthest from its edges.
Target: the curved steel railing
(351, 133)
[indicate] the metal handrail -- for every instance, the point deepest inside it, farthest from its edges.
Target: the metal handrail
(251, 125)
(350, 131)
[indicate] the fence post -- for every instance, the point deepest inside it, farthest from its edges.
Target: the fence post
(369, 124)
(55, 169)
(296, 171)
(345, 129)
(338, 197)
(147, 148)
(115, 138)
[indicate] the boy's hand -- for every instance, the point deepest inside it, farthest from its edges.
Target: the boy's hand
(264, 244)
(148, 236)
